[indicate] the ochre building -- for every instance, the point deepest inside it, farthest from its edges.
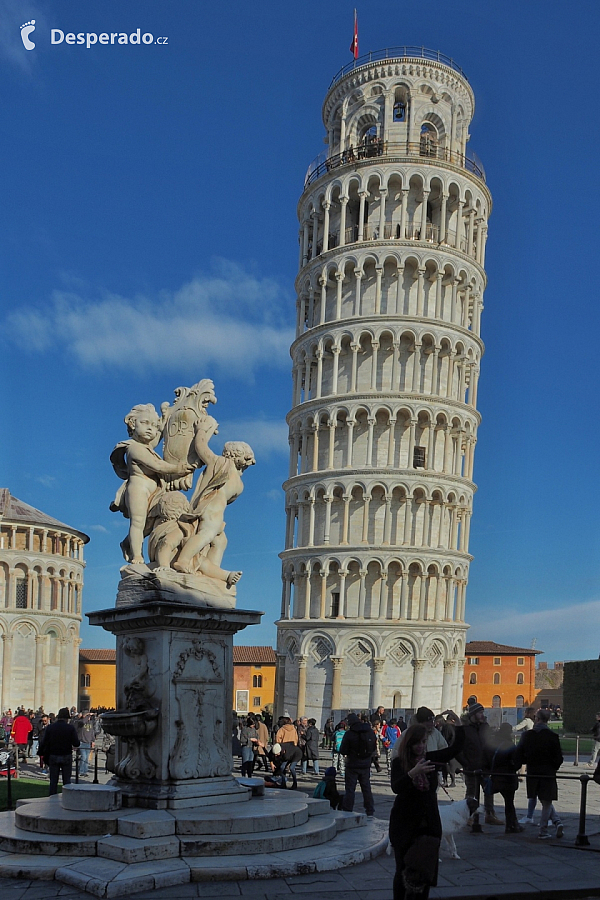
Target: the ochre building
(384, 421)
(499, 675)
(253, 678)
(41, 584)
(97, 679)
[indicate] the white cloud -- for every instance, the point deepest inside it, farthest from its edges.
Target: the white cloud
(567, 632)
(264, 436)
(99, 528)
(229, 319)
(47, 480)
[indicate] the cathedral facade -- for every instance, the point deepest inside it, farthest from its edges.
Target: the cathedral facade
(41, 584)
(383, 424)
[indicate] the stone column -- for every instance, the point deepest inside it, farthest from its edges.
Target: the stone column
(327, 528)
(379, 273)
(326, 207)
(361, 214)
(358, 274)
(331, 449)
(460, 665)
(376, 693)
(343, 206)
(346, 520)
(7, 646)
(38, 682)
(418, 667)
(339, 277)
(350, 423)
(374, 353)
(336, 687)
(342, 609)
(443, 217)
(404, 213)
(322, 609)
(279, 686)
(336, 368)
(424, 216)
(361, 593)
(448, 684)
(301, 685)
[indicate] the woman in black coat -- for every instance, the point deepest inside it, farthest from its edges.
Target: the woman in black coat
(311, 748)
(504, 777)
(415, 820)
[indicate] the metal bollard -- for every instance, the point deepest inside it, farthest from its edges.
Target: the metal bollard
(576, 763)
(95, 781)
(582, 839)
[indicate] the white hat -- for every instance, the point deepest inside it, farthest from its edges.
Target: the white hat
(276, 749)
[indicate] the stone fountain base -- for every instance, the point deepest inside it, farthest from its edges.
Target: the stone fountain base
(112, 852)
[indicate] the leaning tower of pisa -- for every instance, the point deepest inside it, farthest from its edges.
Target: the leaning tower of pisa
(383, 425)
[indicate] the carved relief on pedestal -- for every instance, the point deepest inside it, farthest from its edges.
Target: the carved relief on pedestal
(201, 747)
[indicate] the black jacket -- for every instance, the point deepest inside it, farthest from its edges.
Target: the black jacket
(476, 750)
(58, 739)
(359, 744)
(540, 749)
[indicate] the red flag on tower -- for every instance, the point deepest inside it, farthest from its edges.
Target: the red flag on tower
(354, 44)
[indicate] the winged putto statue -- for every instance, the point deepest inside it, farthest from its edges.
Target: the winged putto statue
(186, 537)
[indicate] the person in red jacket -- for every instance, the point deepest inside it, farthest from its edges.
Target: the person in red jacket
(19, 732)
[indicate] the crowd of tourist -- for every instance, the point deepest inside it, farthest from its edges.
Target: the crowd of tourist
(33, 736)
(421, 758)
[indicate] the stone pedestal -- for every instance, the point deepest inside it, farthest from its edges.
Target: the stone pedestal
(174, 701)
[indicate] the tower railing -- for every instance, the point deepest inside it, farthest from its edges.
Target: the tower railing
(413, 231)
(375, 148)
(397, 53)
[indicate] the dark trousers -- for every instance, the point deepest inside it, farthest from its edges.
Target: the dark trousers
(472, 785)
(362, 775)
(510, 813)
(59, 765)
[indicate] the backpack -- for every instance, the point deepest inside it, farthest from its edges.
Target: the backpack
(366, 745)
(338, 737)
(319, 791)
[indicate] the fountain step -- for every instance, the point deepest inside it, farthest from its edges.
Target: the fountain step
(348, 849)
(346, 820)
(132, 850)
(107, 878)
(48, 816)
(315, 831)
(16, 840)
(33, 866)
(256, 816)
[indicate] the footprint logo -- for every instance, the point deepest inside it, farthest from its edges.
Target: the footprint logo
(26, 30)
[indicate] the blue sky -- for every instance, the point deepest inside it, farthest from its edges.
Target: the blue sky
(149, 239)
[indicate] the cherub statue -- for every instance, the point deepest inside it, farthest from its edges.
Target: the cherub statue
(143, 471)
(218, 486)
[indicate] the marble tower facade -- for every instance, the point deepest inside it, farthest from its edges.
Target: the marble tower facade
(383, 425)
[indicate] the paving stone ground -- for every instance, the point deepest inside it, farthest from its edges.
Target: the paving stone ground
(493, 865)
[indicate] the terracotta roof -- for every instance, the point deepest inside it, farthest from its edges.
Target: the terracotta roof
(490, 647)
(254, 656)
(97, 655)
(14, 510)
